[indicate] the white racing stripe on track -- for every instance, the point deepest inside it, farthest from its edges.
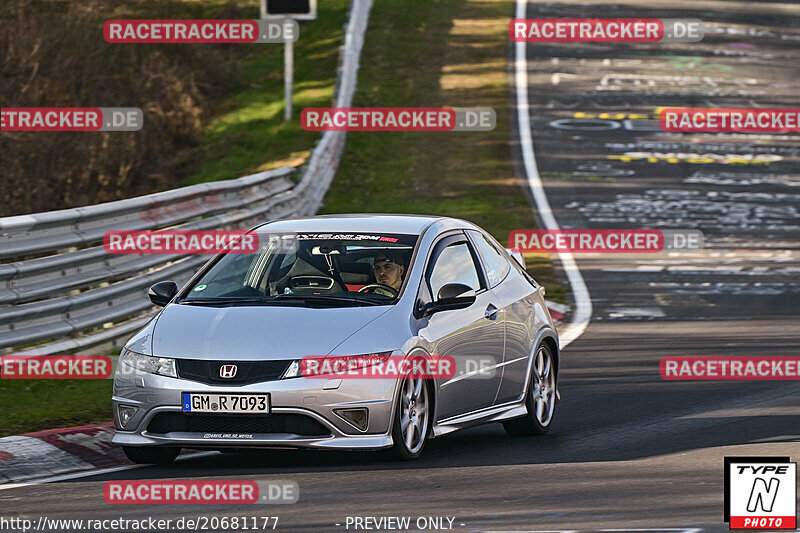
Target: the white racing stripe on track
(583, 303)
(67, 477)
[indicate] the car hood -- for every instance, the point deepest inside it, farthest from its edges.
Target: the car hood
(255, 332)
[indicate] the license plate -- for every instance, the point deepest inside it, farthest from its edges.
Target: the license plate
(225, 403)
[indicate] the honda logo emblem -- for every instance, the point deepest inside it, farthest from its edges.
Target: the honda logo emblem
(227, 371)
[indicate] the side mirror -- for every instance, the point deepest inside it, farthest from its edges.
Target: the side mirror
(163, 292)
(451, 296)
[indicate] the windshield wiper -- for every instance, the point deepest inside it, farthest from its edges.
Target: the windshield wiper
(325, 298)
(225, 301)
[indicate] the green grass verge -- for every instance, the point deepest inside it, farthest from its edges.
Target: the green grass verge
(32, 405)
(441, 53)
(248, 133)
(540, 267)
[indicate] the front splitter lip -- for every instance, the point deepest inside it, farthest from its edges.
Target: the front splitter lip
(337, 440)
(191, 440)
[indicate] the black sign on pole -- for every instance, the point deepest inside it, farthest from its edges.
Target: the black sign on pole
(297, 9)
(292, 9)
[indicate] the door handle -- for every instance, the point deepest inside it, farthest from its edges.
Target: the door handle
(491, 312)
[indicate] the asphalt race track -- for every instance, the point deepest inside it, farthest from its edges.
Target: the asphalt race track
(628, 449)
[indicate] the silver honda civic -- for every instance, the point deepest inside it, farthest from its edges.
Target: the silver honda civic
(226, 364)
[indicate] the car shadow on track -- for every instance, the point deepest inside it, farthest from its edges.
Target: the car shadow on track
(489, 446)
(614, 407)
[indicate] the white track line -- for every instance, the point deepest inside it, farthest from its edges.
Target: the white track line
(583, 303)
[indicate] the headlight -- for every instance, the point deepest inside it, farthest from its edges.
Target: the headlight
(365, 360)
(333, 364)
(163, 366)
(293, 371)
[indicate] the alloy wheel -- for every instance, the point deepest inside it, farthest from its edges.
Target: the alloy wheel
(414, 414)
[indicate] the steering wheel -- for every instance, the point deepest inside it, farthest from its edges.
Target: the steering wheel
(380, 288)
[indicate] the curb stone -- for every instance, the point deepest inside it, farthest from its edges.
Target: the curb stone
(557, 311)
(58, 451)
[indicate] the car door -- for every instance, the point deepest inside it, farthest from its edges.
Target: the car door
(512, 296)
(472, 336)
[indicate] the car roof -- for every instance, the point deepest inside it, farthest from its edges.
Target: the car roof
(359, 223)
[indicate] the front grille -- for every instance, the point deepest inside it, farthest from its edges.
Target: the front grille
(246, 371)
(301, 425)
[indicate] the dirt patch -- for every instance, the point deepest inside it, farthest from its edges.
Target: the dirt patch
(55, 56)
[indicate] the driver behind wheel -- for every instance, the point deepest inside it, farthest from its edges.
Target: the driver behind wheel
(389, 269)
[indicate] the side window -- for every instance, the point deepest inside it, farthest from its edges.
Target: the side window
(496, 264)
(454, 265)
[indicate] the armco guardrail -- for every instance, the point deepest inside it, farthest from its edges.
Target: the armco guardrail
(61, 292)
(74, 291)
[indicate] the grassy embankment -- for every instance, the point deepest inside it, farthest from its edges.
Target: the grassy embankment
(222, 104)
(211, 111)
(441, 53)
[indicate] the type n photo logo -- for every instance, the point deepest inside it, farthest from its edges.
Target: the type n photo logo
(760, 493)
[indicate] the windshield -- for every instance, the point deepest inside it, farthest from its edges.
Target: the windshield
(332, 268)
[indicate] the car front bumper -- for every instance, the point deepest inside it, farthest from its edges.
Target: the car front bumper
(314, 399)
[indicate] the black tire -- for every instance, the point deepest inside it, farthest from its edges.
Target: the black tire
(155, 455)
(400, 450)
(533, 423)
